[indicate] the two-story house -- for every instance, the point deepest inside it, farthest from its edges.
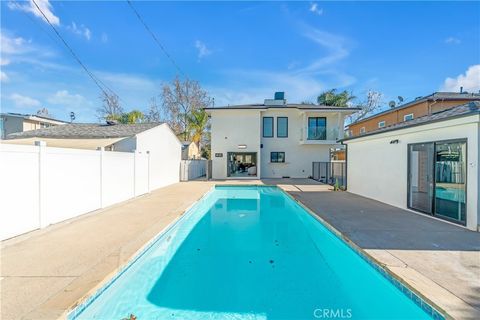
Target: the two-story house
(16, 122)
(422, 106)
(274, 139)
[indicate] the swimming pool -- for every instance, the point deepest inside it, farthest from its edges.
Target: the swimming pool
(251, 252)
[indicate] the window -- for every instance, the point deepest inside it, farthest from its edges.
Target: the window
(277, 156)
(408, 117)
(381, 124)
(268, 127)
(362, 130)
(317, 128)
(282, 127)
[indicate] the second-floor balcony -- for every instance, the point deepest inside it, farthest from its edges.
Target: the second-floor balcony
(320, 135)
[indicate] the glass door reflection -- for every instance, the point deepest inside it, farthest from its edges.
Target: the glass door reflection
(450, 180)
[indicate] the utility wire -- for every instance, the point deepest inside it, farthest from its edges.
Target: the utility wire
(97, 81)
(156, 39)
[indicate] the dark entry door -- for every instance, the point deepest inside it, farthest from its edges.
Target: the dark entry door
(420, 177)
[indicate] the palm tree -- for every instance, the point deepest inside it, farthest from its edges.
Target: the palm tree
(198, 125)
(134, 116)
(334, 99)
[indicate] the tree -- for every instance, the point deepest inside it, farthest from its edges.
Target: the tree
(198, 125)
(154, 114)
(334, 99)
(111, 108)
(368, 106)
(179, 100)
(134, 116)
(44, 113)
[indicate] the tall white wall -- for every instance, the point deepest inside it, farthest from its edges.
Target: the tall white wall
(231, 128)
(41, 185)
(165, 154)
(377, 169)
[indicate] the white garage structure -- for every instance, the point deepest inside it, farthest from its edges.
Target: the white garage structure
(429, 165)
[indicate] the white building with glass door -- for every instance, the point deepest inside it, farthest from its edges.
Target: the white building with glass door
(429, 165)
(273, 139)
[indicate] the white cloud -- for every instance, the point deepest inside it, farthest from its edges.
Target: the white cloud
(315, 9)
(23, 101)
(12, 45)
(30, 7)
(64, 98)
(3, 77)
(4, 62)
(470, 80)
(299, 83)
(80, 30)
(203, 51)
(452, 40)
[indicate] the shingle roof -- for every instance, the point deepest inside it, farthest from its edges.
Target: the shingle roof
(462, 110)
(287, 106)
(444, 96)
(86, 131)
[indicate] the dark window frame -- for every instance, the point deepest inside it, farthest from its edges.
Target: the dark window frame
(263, 127)
(276, 158)
(316, 121)
(435, 142)
(286, 136)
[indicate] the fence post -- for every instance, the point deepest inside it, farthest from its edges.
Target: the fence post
(101, 151)
(42, 183)
(148, 175)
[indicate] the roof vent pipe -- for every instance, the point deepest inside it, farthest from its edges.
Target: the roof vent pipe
(461, 89)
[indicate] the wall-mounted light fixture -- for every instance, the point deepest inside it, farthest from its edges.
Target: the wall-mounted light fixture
(396, 141)
(242, 146)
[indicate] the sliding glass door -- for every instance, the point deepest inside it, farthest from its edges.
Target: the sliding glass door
(420, 177)
(437, 179)
(450, 180)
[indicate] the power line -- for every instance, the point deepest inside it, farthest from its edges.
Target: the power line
(156, 39)
(97, 81)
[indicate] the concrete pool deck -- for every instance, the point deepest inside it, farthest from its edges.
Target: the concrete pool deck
(44, 272)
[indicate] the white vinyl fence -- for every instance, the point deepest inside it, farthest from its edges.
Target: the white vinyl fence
(43, 185)
(192, 169)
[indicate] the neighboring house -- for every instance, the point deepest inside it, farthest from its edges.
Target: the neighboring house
(429, 164)
(156, 138)
(273, 139)
(433, 103)
(16, 122)
(190, 151)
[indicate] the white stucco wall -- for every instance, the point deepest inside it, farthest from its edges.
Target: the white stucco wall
(378, 169)
(298, 156)
(231, 128)
(165, 155)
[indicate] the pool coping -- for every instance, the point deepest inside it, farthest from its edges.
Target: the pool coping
(93, 293)
(417, 297)
(409, 291)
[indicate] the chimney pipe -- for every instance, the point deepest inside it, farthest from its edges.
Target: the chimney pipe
(461, 89)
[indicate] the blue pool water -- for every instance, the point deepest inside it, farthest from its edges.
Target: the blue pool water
(249, 253)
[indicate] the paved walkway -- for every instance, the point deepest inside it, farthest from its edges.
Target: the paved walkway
(439, 259)
(45, 272)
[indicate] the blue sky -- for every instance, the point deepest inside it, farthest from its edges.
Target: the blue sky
(240, 52)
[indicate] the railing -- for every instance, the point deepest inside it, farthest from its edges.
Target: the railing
(333, 173)
(331, 134)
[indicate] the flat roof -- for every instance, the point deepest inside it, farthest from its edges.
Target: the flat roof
(462, 110)
(30, 116)
(284, 106)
